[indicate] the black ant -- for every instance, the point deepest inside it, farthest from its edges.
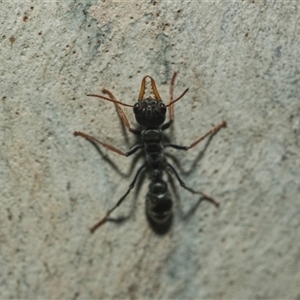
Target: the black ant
(150, 113)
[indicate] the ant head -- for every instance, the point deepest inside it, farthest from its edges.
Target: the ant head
(150, 112)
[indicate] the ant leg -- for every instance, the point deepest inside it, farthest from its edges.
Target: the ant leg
(212, 131)
(121, 113)
(131, 186)
(206, 197)
(171, 108)
(109, 147)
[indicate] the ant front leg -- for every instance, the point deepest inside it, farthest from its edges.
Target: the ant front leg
(205, 197)
(107, 146)
(121, 112)
(171, 108)
(211, 132)
(131, 186)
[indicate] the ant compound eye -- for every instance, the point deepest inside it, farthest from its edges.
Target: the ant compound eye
(136, 107)
(163, 108)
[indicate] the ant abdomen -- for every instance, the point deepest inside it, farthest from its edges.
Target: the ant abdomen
(159, 202)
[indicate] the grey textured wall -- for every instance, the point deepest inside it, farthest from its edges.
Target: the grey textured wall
(240, 61)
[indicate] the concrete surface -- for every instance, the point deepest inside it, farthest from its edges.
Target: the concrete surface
(240, 61)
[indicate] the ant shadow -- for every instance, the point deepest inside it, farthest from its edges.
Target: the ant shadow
(187, 215)
(114, 165)
(122, 218)
(196, 160)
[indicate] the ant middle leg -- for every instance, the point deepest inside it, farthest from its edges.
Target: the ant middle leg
(211, 132)
(131, 186)
(107, 146)
(205, 197)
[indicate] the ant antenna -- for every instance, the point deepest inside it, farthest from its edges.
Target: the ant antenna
(177, 99)
(111, 100)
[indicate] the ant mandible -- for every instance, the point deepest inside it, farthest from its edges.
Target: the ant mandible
(150, 113)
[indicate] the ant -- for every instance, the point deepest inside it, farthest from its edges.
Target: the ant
(150, 113)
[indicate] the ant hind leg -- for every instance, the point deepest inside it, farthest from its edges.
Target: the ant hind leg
(131, 186)
(205, 197)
